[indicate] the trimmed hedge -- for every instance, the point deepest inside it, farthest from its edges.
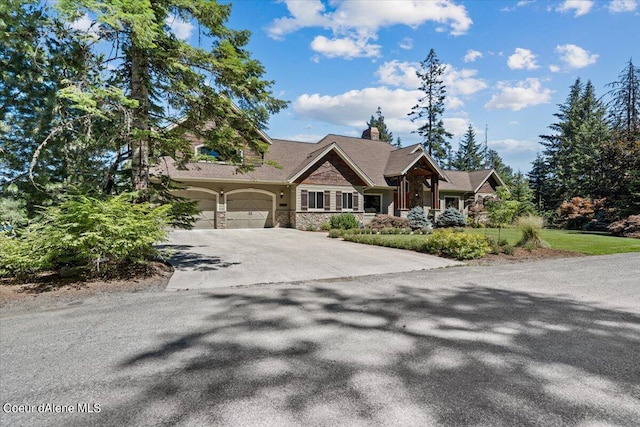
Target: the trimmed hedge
(446, 243)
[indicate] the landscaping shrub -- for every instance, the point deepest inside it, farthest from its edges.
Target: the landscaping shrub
(531, 227)
(628, 227)
(451, 217)
(325, 226)
(335, 233)
(344, 221)
(418, 219)
(444, 242)
(380, 222)
(85, 232)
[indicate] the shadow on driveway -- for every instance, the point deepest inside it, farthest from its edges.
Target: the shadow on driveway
(322, 355)
(180, 257)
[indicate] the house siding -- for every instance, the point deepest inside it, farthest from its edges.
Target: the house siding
(331, 170)
(314, 218)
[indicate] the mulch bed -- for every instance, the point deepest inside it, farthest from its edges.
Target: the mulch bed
(523, 255)
(51, 289)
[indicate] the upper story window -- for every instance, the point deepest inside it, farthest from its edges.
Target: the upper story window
(204, 154)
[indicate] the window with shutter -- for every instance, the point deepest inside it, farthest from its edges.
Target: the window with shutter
(338, 200)
(304, 200)
(355, 201)
(347, 201)
(327, 200)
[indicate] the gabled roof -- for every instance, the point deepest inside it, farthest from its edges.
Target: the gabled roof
(468, 181)
(314, 157)
(373, 161)
(403, 159)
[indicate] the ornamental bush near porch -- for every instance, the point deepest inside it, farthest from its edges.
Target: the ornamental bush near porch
(451, 217)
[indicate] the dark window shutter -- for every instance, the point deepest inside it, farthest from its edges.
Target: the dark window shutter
(304, 200)
(355, 201)
(327, 200)
(338, 200)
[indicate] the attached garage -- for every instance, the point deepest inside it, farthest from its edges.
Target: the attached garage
(207, 204)
(250, 209)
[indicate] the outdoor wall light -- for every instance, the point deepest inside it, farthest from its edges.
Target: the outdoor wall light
(281, 194)
(221, 192)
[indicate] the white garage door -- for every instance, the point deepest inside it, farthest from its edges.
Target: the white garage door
(249, 210)
(206, 205)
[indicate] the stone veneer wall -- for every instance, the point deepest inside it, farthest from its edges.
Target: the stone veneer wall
(284, 219)
(222, 220)
(315, 219)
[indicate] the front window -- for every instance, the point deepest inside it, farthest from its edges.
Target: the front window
(452, 202)
(372, 203)
(316, 200)
(347, 200)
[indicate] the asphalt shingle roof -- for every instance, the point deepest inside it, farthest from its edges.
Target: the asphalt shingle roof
(376, 159)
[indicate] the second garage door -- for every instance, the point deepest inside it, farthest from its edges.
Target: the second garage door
(249, 210)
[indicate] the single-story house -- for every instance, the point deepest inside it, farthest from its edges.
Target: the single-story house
(313, 181)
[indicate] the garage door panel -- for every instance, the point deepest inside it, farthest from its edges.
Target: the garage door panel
(249, 210)
(207, 205)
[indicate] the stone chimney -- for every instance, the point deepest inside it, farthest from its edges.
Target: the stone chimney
(372, 133)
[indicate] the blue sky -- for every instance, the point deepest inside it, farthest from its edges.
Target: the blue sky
(508, 63)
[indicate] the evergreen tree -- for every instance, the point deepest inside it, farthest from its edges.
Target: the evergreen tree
(622, 154)
(574, 151)
(431, 108)
(539, 182)
(39, 56)
(492, 160)
(378, 122)
(522, 193)
(469, 156)
(398, 142)
(152, 79)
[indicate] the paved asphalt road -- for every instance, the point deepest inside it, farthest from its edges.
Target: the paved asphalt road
(207, 259)
(555, 342)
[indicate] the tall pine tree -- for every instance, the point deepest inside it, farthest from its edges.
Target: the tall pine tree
(157, 79)
(574, 152)
(430, 107)
(470, 154)
(622, 154)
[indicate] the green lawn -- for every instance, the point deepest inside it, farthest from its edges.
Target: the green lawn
(576, 241)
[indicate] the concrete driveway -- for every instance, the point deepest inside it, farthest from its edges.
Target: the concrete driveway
(207, 259)
(549, 343)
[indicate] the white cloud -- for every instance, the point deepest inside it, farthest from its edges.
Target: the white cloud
(86, 25)
(406, 43)
(354, 107)
(554, 68)
(619, 6)
(462, 82)
(182, 29)
(575, 56)
(456, 125)
(521, 3)
(514, 145)
(304, 137)
(453, 103)
(403, 74)
(581, 7)
(524, 94)
(344, 47)
(360, 20)
(522, 59)
(472, 55)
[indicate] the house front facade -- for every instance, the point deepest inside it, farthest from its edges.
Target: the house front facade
(301, 185)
